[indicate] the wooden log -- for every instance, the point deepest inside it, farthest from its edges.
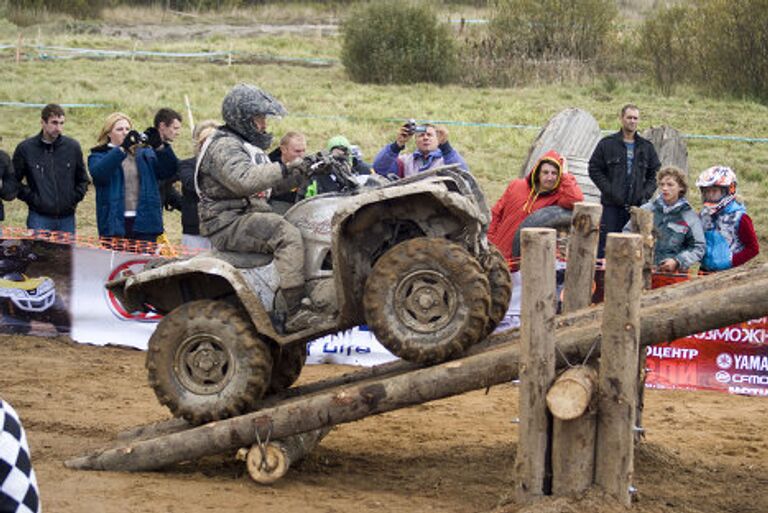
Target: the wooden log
(572, 393)
(269, 462)
(585, 317)
(642, 223)
(537, 343)
(614, 454)
(695, 306)
(670, 146)
(573, 435)
(582, 250)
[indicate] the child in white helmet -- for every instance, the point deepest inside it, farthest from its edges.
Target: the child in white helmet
(728, 229)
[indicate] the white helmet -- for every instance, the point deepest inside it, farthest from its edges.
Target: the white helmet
(718, 176)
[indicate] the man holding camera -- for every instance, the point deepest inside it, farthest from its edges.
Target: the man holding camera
(51, 174)
(432, 150)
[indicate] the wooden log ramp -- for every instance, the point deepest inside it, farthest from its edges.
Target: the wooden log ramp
(665, 314)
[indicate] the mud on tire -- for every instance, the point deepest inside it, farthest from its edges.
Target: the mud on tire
(206, 362)
(426, 300)
(495, 265)
(288, 362)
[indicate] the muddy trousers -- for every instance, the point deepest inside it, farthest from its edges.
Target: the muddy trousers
(270, 234)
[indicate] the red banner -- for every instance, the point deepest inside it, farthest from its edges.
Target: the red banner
(733, 359)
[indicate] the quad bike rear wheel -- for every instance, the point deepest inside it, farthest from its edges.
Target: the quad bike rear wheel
(427, 300)
(288, 362)
(206, 362)
(500, 281)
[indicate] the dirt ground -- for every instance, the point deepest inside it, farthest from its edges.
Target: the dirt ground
(705, 452)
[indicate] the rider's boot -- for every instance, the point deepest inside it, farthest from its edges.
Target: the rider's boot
(300, 313)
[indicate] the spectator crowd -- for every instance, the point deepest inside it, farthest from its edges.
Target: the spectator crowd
(137, 175)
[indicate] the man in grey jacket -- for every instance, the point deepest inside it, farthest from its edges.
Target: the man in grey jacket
(235, 180)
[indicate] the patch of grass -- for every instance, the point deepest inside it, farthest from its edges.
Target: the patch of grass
(323, 102)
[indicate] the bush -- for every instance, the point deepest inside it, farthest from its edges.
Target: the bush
(397, 42)
(666, 46)
(732, 46)
(539, 29)
(719, 45)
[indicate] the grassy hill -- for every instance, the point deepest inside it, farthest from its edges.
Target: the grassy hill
(322, 102)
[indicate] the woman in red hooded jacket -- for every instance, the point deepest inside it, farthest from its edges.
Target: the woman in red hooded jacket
(548, 183)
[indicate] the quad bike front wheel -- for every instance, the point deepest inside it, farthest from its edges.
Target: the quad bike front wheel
(427, 300)
(206, 362)
(500, 281)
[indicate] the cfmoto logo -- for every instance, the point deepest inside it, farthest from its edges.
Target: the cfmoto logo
(723, 377)
(128, 268)
(724, 360)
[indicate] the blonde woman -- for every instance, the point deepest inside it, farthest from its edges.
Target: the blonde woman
(125, 173)
(190, 221)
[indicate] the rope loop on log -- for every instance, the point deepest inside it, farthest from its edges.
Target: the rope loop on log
(263, 448)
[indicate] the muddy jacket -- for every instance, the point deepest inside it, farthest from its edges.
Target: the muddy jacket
(52, 176)
(608, 170)
(236, 178)
(523, 197)
(389, 161)
(8, 185)
(678, 232)
(106, 166)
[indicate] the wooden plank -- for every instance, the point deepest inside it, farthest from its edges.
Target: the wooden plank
(537, 343)
(614, 454)
(582, 251)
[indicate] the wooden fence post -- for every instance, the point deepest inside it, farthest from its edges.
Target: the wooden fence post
(537, 369)
(614, 455)
(642, 223)
(573, 441)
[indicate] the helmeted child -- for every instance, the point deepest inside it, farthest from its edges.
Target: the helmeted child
(728, 229)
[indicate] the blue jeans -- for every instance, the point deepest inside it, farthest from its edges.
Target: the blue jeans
(37, 221)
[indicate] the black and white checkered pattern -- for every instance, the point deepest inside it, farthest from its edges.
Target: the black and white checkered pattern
(18, 485)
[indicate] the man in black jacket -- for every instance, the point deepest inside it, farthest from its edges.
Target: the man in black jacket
(8, 185)
(51, 174)
(623, 166)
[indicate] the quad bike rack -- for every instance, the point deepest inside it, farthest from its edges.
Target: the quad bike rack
(294, 420)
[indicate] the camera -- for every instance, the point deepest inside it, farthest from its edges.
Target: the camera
(414, 128)
(143, 137)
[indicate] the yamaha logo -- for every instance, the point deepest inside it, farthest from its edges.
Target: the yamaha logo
(723, 377)
(724, 361)
(127, 268)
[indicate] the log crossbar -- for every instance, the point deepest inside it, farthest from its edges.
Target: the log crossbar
(666, 314)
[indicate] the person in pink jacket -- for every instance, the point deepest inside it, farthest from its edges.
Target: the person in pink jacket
(547, 184)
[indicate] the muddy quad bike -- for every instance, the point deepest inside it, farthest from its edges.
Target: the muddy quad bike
(24, 299)
(408, 258)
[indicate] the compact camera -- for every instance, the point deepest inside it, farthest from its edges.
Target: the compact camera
(414, 128)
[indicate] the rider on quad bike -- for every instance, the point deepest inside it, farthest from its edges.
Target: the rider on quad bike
(235, 180)
(408, 258)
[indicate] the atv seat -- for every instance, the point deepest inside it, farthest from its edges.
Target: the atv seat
(240, 260)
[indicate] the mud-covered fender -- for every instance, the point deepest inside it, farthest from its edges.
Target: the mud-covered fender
(167, 286)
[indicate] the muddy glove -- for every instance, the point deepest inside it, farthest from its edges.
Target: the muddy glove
(132, 138)
(298, 167)
(153, 137)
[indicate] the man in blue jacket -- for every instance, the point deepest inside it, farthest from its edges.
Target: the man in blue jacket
(432, 150)
(51, 174)
(623, 166)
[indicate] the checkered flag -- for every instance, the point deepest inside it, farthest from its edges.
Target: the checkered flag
(18, 485)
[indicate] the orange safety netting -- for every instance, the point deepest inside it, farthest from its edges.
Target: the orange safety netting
(161, 247)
